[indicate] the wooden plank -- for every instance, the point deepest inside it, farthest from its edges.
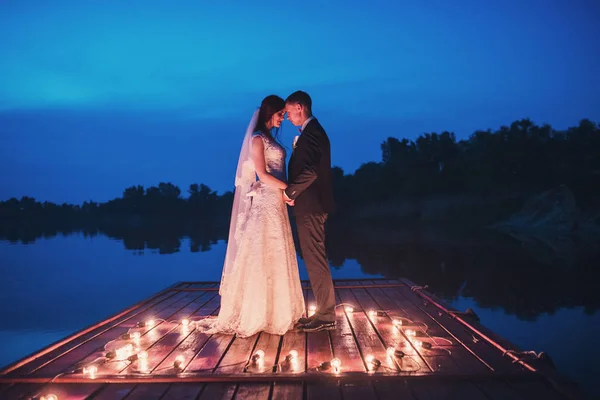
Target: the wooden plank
(460, 356)
(269, 344)
(253, 391)
(369, 343)
(318, 344)
(27, 391)
(393, 390)
(293, 340)
(388, 334)
(435, 360)
(358, 391)
(285, 391)
(344, 343)
(444, 389)
(211, 352)
(323, 391)
(443, 363)
(114, 391)
(480, 350)
(237, 355)
(413, 361)
(164, 350)
(189, 346)
(155, 341)
(421, 321)
(337, 285)
(216, 391)
(3, 387)
(358, 334)
(319, 349)
(182, 391)
(498, 390)
(566, 386)
(148, 391)
(535, 389)
(62, 362)
(20, 391)
(43, 359)
(95, 348)
(77, 391)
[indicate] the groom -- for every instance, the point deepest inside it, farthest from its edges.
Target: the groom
(310, 191)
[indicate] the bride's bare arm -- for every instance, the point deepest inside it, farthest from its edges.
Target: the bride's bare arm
(258, 156)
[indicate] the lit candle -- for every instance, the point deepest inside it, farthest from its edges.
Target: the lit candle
(259, 355)
(372, 362)
(178, 361)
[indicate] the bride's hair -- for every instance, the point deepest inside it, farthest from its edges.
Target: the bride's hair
(270, 105)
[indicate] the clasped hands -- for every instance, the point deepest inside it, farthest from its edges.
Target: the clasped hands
(287, 200)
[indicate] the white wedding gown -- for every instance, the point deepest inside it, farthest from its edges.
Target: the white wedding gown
(263, 293)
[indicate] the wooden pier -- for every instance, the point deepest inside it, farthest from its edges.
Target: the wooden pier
(394, 340)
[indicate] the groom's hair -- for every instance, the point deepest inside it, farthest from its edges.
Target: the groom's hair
(302, 98)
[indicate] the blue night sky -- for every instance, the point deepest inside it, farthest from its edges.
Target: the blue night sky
(98, 96)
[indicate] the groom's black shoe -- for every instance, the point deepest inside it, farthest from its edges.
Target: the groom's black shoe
(318, 325)
(304, 321)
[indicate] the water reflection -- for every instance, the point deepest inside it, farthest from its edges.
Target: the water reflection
(56, 281)
(135, 233)
(496, 270)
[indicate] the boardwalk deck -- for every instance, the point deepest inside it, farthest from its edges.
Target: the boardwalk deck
(440, 353)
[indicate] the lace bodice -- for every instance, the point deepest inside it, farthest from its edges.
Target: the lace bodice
(274, 157)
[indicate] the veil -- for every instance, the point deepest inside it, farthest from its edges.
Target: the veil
(245, 176)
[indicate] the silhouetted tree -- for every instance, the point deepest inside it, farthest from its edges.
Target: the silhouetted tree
(521, 158)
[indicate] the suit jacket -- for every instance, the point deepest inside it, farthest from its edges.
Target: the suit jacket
(309, 172)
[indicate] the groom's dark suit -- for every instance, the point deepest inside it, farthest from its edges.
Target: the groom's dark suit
(311, 187)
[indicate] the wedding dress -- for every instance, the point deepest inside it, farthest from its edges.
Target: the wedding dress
(260, 288)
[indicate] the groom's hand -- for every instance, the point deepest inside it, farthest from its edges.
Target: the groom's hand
(287, 200)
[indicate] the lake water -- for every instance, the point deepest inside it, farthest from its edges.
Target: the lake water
(55, 286)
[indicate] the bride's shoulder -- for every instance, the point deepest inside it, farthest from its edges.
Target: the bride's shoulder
(259, 134)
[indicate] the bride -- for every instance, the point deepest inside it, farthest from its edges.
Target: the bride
(260, 285)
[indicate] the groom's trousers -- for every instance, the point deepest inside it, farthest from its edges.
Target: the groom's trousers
(311, 234)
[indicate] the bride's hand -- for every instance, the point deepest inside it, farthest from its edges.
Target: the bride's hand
(287, 201)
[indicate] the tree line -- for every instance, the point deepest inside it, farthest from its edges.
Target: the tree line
(520, 157)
